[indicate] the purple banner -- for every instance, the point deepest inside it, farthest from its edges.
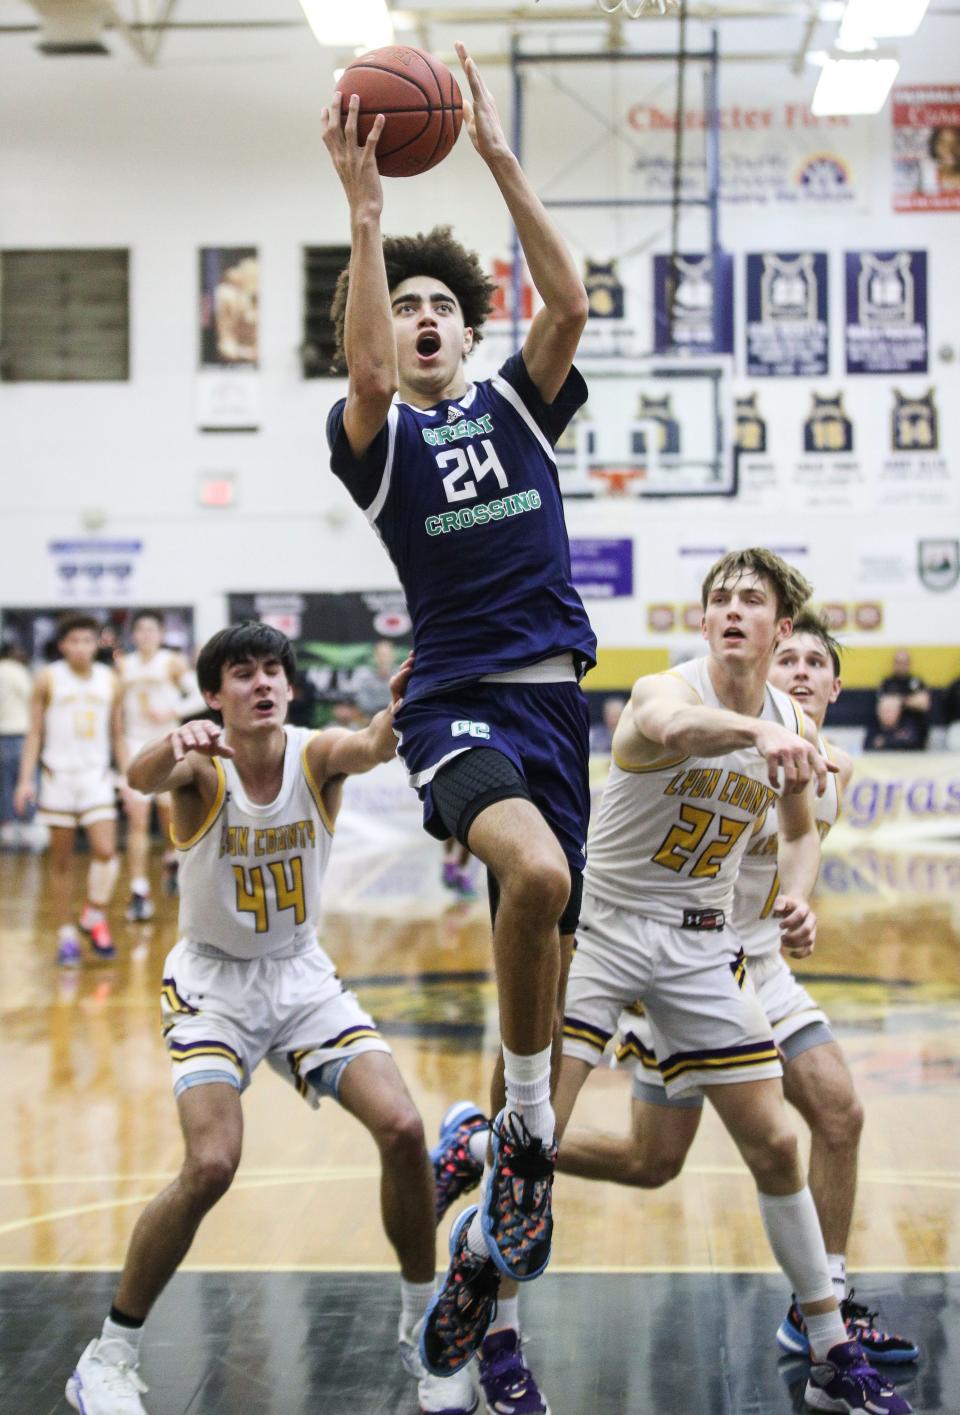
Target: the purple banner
(602, 569)
(684, 290)
(886, 311)
(787, 333)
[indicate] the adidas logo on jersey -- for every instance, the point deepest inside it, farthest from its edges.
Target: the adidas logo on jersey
(454, 414)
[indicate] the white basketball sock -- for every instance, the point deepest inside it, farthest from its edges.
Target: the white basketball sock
(527, 1081)
(415, 1298)
(837, 1262)
(508, 1315)
(478, 1144)
(116, 1336)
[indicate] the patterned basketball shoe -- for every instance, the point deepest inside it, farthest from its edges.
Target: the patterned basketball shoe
(105, 1381)
(455, 1171)
(517, 1214)
(457, 1319)
(882, 1348)
(846, 1382)
(508, 1385)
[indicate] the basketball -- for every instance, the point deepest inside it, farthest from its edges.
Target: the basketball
(420, 100)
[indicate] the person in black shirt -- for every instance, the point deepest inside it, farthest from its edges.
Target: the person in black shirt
(903, 710)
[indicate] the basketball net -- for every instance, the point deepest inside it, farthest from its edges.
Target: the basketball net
(635, 8)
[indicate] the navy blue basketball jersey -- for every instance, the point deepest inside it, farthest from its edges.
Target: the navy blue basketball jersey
(466, 500)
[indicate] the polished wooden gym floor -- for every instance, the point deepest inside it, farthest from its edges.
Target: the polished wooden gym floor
(664, 1302)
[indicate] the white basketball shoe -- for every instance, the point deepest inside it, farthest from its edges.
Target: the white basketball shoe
(105, 1381)
(451, 1395)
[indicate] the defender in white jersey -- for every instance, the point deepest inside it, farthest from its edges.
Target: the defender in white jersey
(254, 806)
(817, 1080)
(156, 683)
(699, 756)
(75, 729)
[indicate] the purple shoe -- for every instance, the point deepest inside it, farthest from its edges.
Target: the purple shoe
(517, 1213)
(450, 874)
(508, 1386)
(845, 1382)
(458, 1317)
(68, 951)
(455, 1171)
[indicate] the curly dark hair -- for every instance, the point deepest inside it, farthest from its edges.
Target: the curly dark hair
(435, 253)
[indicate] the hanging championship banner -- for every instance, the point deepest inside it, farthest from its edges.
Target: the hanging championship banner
(228, 380)
(926, 147)
(787, 332)
(886, 312)
(684, 319)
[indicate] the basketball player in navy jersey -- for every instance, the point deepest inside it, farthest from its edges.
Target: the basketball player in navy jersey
(459, 481)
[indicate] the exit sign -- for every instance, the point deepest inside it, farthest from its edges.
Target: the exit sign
(217, 490)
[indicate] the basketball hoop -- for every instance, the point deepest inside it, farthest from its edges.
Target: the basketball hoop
(617, 481)
(636, 8)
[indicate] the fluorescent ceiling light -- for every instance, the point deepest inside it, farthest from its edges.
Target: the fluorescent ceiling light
(338, 25)
(853, 85)
(884, 19)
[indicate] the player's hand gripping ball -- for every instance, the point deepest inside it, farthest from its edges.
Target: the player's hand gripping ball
(420, 100)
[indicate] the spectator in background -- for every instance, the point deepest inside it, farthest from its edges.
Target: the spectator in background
(601, 733)
(345, 713)
(892, 731)
(951, 715)
(371, 686)
(16, 690)
(903, 709)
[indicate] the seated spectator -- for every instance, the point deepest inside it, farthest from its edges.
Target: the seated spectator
(951, 715)
(345, 713)
(913, 701)
(601, 733)
(894, 729)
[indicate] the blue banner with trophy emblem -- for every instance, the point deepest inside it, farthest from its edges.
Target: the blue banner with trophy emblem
(886, 311)
(684, 291)
(787, 329)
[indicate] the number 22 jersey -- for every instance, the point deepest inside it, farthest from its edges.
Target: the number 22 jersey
(465, 498)
(669, 838)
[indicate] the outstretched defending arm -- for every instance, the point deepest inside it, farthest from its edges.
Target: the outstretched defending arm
(664, 719)
(555, 332)
(369, 340)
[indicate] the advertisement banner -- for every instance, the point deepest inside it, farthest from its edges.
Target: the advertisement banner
(684, 319)
(926, 147)
(228, 382)
(900, 796)
(886, 309)
(91, 570)
(347, 646)
(602, 569)
(777, 155)
(787, 331)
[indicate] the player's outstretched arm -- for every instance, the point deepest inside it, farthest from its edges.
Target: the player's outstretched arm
(175, 762)
(798, 862)
(552, 342)
(369, 340)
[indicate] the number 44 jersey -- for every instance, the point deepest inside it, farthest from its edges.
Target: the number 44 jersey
(669, 838)
(251, 877)
(465, 498)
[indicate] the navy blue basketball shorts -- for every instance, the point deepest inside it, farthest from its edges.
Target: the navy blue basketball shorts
(542, 728)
